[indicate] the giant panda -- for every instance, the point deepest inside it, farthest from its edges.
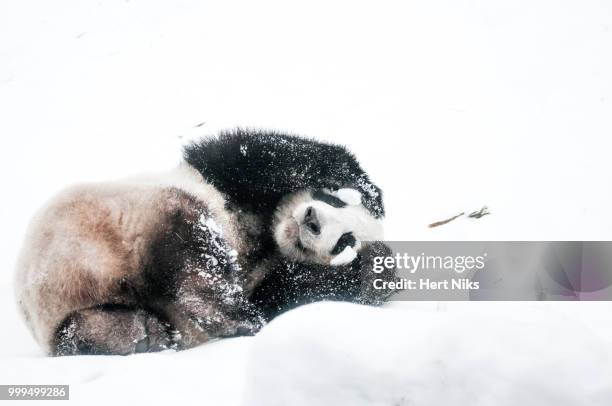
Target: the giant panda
(251, 224)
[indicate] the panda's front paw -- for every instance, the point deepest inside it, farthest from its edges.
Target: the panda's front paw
(369, 294)
(349, 196)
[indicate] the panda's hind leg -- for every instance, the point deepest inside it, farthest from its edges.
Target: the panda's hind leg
(111, 330)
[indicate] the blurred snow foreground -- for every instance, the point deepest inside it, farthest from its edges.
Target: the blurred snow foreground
(345, 354)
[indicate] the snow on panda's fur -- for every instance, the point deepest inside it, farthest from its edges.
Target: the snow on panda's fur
(176, 260)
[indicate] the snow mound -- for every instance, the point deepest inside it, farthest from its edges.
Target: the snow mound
(345, 354)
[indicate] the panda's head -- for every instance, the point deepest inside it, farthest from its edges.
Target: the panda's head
(324, 227)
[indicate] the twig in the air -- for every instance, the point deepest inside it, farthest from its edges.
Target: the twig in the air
(475, 215)
(479, 213)
(441, 223)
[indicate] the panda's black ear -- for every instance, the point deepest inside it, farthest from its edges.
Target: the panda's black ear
(372, 199)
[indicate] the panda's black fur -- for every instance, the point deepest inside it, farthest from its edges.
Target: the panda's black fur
(143, 265)
(256, 169)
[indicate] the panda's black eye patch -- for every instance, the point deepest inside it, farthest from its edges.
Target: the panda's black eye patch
(345, 240)
(325, 197)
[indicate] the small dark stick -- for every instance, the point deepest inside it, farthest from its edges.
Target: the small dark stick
(441, 223)
(480, 213)
(475, 215)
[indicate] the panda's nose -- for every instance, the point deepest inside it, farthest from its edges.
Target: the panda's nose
(311, 221)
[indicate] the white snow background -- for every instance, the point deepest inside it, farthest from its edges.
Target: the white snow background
(449, 105)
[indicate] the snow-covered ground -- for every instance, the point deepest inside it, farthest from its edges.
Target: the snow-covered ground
(449, 106)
